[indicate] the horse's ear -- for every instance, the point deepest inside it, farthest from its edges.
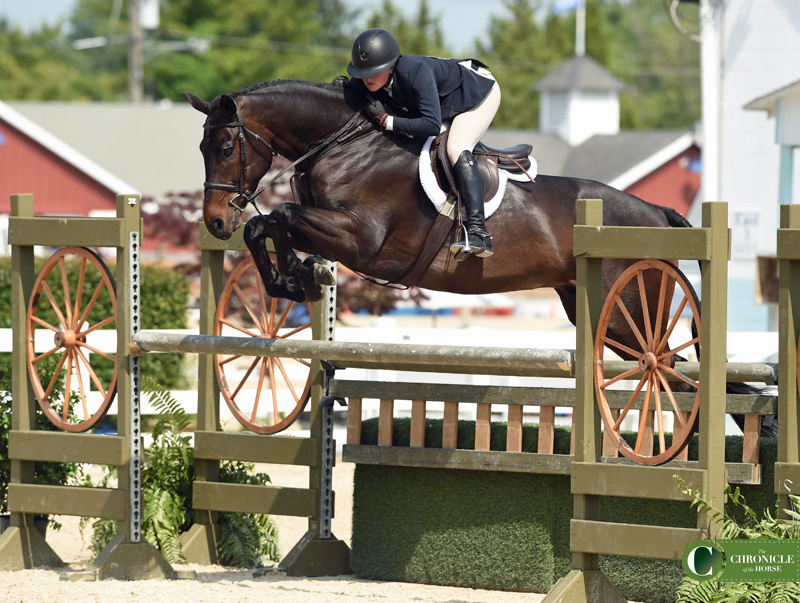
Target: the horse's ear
(227, 105)
(198, 103)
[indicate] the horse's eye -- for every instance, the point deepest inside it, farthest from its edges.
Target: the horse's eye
(227, 151)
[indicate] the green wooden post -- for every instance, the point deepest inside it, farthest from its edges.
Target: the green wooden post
(713, 342)
(589, 304)
(787, 466)
(128, 556)
(24, 400)
(586, 583)
(21, 545)
(200, 541)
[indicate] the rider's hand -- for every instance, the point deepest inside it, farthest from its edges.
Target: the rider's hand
(377, 112)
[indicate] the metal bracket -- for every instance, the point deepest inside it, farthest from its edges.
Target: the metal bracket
(135, 464)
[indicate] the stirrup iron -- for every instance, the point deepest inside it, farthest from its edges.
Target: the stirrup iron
(461, 249)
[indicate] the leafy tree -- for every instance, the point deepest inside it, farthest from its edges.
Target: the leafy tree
(310, 39)
(635, 40)
(660, 66)
(519, 52)
(419, 35)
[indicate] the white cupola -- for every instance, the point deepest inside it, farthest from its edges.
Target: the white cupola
(579, 98)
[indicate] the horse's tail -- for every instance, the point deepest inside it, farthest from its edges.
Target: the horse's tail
(674, 219)
(769, 423)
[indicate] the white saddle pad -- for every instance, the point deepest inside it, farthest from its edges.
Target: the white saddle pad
(438, 196)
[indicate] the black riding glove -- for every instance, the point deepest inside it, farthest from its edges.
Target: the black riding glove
(377, 112)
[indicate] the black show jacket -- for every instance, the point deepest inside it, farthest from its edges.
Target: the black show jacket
(422, 91)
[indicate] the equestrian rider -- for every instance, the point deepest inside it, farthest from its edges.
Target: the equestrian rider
(429, 90)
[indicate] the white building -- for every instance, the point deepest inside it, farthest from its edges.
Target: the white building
(750, 49)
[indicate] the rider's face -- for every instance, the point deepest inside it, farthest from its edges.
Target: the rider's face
(378, 81)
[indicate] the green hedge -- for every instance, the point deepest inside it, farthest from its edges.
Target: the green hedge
(504, 530)
(165, 299)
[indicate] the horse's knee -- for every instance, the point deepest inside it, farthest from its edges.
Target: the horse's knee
(256, 229)
(281, 216)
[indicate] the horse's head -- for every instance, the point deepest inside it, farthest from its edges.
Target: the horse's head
(235, 157)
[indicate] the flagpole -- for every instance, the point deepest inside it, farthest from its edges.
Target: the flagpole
(580, 29)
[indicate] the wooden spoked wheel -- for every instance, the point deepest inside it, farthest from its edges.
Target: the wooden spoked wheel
(266, 395)
(74, 381)
(653, 325)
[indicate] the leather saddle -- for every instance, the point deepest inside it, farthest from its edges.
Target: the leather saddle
(514, 159)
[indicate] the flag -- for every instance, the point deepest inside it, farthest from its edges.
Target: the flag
(565, 6)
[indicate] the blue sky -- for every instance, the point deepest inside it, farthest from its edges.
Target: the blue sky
(463, 20)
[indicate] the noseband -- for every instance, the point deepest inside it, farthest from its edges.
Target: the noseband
(341, 135)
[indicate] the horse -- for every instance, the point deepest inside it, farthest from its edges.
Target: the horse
(359, 201)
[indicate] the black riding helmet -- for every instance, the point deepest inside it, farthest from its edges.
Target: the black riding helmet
(374, 51)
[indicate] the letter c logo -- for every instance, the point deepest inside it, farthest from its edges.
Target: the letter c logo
(702, 560)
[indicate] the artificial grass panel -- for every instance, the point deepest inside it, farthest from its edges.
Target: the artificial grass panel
(454, 527)
(654, 580)
(468, 528)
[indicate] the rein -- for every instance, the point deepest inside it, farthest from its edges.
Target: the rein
(343, 134)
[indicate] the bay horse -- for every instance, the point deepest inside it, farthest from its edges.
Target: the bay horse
(360, 202)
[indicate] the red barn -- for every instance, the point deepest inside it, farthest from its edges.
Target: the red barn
(62, 180)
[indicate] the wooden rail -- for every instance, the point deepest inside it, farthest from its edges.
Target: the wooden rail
(543, 460)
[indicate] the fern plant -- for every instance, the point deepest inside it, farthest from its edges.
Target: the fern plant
(248, 540)
(752, 527)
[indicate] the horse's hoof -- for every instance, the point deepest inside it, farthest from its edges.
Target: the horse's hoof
(323, 275)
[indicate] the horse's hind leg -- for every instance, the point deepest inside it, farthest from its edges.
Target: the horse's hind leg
(276, 285)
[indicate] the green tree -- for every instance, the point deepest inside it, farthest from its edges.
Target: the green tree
(253, 41)
(520, 51)
(421, 34)
(660, 66)
(634, 39)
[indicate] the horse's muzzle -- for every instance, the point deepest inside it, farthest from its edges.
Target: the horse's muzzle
(222, 228)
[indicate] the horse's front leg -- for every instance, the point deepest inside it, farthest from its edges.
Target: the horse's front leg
(313, 271)
(276, 285)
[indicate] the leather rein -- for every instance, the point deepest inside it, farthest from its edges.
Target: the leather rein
(340, 136)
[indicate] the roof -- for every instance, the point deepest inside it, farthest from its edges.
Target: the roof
(768, 102)
(579, 73)
(619, 160)
(45, 137)
(151, 148)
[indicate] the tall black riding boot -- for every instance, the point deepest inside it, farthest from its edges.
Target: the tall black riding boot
(477, 241)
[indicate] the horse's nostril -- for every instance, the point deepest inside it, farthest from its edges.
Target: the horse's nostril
(218, 225)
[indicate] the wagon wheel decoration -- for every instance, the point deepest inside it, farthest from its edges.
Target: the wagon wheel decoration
(255, 387)
(74, 381)
(656, 345)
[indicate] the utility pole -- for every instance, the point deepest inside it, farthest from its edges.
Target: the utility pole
(580, 29)
(135, 53)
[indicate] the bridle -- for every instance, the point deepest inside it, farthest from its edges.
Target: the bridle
(341, 135)
(240, 190)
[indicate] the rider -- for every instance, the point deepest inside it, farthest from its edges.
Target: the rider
(430, 90)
